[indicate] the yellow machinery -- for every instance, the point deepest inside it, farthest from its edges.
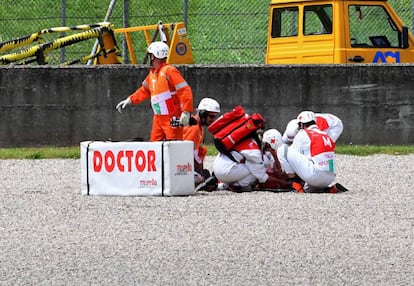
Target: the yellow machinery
(38, 53)
(32, 48)
(180, 49)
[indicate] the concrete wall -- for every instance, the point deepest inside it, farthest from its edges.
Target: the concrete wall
(62, 106)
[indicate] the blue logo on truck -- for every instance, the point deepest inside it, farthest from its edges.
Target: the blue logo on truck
(387, 57)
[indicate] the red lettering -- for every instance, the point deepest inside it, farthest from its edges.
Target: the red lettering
(151, 161)
(129, 155)
(140, 161)
(97, 161)
(109, 161)
(118, 161)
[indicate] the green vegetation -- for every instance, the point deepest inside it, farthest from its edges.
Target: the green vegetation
(218, 30)
(40, 153)
(366, 150)
(74, 152)
(221, 32)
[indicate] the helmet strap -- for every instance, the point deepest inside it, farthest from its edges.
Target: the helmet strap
(152, 58)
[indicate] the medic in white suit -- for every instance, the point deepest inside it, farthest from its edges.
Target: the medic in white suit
(310, 157)
(247, 169)
(326, 122)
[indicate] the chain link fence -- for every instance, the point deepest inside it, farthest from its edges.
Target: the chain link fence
(220, 32)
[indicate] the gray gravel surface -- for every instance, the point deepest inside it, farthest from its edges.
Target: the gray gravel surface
(52, 235)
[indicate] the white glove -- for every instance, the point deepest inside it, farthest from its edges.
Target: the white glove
(185, 118)
(124, 103)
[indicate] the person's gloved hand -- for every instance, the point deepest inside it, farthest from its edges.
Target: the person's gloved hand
(175, 122)
(185, 118)
(124, 103)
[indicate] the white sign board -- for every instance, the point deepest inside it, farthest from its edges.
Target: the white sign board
(162, 168)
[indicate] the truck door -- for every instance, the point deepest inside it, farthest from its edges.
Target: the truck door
(300, 32)
(374, 35)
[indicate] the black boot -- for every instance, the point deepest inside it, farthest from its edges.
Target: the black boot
(340, 188)
(209, 185)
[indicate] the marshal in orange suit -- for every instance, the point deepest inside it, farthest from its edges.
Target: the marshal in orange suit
(170, 95)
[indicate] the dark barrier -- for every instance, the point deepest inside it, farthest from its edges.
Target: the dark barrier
(61, 106)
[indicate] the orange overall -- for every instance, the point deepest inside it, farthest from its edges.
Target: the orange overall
(195, 133)
(170, 95)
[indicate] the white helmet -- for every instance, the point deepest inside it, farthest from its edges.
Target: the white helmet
(209, 104)
(306, 116)
(273, 138)
(158, 49)
(291, 130)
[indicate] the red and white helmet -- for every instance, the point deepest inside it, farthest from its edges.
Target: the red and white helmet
(306, 116)
(158, 49)
(273, 138)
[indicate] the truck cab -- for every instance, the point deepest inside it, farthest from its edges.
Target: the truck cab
(336, 32)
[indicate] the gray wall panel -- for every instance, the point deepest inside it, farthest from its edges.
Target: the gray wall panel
(61, 106)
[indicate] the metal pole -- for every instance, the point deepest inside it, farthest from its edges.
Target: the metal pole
(125, 59)
(63, 24)
(412, 17)
(107, 16)
(185, 12)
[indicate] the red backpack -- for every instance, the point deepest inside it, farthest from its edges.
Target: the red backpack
(234, 126)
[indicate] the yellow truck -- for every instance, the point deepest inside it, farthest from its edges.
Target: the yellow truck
(336, 32)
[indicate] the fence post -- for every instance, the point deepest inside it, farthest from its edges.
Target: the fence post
(125, 19)
(106, 19)
(185, 11)
(412, 17)
(63, 24)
